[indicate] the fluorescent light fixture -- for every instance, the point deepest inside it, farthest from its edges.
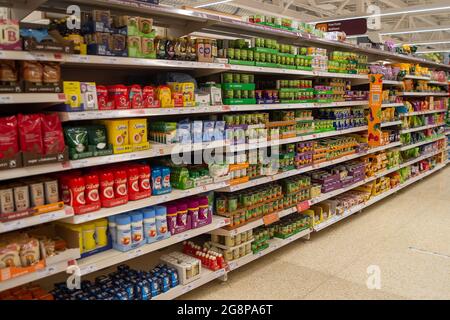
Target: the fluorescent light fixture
(423, 43)
(414, 31)
(212, 3)
(388, 14)
(434, 51)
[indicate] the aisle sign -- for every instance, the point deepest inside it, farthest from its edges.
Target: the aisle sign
(374, 117)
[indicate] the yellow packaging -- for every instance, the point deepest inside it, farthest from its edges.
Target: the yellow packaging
(88, 230)
(101, 228)
(164, 95)
(138, 130)
(188, 91)
(117, 130)
(72, 90)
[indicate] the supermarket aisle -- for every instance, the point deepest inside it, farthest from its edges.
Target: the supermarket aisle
(406, 235)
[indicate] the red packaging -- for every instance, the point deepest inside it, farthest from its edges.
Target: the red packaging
(133, 180)
(77, 187)
(135, 96)
(148, 97)
(92, 185)
(102, 99)
(120, 183)
(118, 95)
(177, 99)
(30, 133)
(64, 188)
(144, 178)
(9, 137)
(106, 185)
(52, 132)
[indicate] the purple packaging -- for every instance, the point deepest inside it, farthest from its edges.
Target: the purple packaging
(172, 218)
(193, 209)
(204, 214)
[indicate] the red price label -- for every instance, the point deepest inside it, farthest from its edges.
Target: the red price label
(226, 108)
(302, 206)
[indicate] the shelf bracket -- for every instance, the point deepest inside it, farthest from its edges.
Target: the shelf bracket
(188, 28)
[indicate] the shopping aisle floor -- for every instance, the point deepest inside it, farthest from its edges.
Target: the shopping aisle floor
(407, 235)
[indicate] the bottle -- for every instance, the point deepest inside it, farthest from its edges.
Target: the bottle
(137, 228)
(101, 236)
(120, 183)
(92, 185)
(106, 185)
(149, 216)
(112, 228)
(123, 230)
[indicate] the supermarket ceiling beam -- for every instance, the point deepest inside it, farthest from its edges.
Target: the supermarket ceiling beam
(400, 9)
(270, 9)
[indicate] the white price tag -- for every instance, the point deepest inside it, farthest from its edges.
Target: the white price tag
(187, 288)
(88, 269)
(135, 253)
(220, 272)
(5, 98)
(183, 236)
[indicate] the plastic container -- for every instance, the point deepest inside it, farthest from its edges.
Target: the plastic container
(161, 221)
(101, 234)
(112, 228)
(89, 243)
(123, 226)
(149, 217)
(137, 228)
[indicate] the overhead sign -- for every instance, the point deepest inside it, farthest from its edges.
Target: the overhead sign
(350, 27)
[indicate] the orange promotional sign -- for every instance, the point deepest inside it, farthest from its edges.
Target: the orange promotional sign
(271, 218)
(374, 117)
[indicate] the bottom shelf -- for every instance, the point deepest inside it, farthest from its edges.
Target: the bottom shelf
(375, 199)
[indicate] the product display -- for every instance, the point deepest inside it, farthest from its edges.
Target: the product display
(154, 149)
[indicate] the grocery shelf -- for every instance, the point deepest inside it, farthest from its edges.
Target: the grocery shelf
(34, 276)
(250, 225)
(438, 83)
(393, 82)
(418, 113)
(408, 76)
(420, 158)
(375, 199)
(391, 123)
(147, 202)
(206, 276)
(152, 112)
(274, 244)
(421, 143)
(111, 257)
(35, 220)
(392, 105)
(423, 94)
(33, 170)
(267, 179)
(430, 126)
(22, 98)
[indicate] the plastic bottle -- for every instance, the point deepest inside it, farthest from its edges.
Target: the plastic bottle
(112, 228)
(101, 235)
(123, 230)
(137, 228)
(149, 216)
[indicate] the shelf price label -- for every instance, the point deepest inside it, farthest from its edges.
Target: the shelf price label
(271, 218)
(302, 206)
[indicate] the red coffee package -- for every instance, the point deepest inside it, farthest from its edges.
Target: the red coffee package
(30, 133)
(9, 137)
(52, 134)
(135, 96)
(118, 95)
(102, 99)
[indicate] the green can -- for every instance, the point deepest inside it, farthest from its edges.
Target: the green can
(229, 119)
(257, 56)
(236, 78)
(227, 78)
(230, 53)
(274, 58)
(258, 42)
(232, 204)
(251, 78)
(244, 54)
(245, 78)
(245, 96)
(237, 54)
(250, 55)
(228, 94)
(262, 57)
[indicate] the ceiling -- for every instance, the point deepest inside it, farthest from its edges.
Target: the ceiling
(392, 17)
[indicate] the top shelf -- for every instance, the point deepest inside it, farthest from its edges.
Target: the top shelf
(213, 23)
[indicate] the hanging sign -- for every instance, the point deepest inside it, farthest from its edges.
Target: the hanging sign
(350, 27)
(374, 117)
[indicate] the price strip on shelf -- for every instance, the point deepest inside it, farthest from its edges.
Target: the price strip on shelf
(88, 269)
(5, 98)
(135, 253)
(271, 218)
(302, 206)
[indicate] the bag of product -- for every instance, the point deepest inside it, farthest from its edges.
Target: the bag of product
(29, 252)
(30, 133)
(9, 255)
(8, 71)
(9, 137)
(51, 72)
(32, 71)
(52, 132)
(77, 140)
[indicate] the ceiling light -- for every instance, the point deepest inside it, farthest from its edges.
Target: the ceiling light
(388, 14)
(413, 31)
(212, 3)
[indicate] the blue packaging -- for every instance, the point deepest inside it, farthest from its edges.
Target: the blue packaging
(184, 133)
(197, 131)
(149, 216)
(219, 131)
(165, 172)
(165, 282)
(208, 131)
(156, 181)
(161, 223)
(137, 227)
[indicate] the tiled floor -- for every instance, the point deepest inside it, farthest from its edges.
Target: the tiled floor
(406, 235)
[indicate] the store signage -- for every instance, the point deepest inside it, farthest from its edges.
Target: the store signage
(271, 218)
(350, 27)
(374, 117)
(302, 206)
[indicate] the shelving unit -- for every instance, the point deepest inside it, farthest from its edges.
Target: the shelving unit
(209, 23)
